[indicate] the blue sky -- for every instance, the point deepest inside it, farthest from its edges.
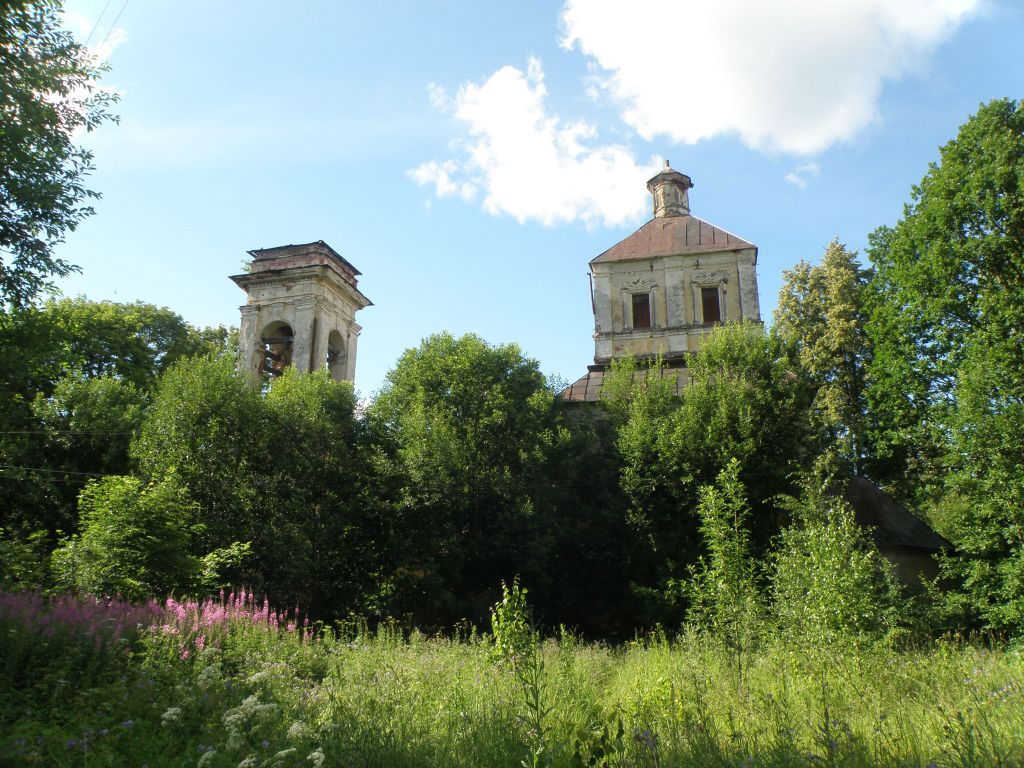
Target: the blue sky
(471, 158)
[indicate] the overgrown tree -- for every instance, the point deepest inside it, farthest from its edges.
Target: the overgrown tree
(133, 541)
(330, 522)
(821, 310)
(947, 376)
(746, 402)
(585, 514)
(48, 93)
(208, 428)
(472, 425)
(75, 376)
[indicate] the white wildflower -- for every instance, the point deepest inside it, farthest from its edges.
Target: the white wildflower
(264, 711)
(206, 758)
(250, 762)
(235, 741)
(258, 677)
(209, 676)
(285, 753)
(172, 715)
(297, 731)
(249, 703)
(316, 757)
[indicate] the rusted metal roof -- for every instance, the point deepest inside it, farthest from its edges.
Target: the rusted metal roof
(587, 389)
(669, 235)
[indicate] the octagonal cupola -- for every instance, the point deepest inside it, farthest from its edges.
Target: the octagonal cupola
(670, 190)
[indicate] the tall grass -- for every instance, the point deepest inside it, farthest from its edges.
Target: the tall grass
(262, 691)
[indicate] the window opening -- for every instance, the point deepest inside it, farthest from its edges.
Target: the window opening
(709, 305)
(641, 311)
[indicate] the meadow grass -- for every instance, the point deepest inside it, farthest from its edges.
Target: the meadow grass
(262, 691)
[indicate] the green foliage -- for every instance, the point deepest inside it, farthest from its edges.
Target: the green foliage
(517, 646)
(23, 561)
(75, 377)
(132, 342)
(724, 596)
(206, 427)
(515, 639)
(829, 583)
(293, 472)
(745, 402)
(471, 427)
(821, 311)
(48, 93)
(330, 502)
(947, 388)
(375, 699)
(636, 390)
(585, 515)
(134, 540)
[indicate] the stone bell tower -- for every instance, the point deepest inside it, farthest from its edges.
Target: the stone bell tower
(301, 308)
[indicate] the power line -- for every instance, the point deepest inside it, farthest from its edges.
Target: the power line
(68, 431)
(94, 26)
(54, 471)
(116, 18)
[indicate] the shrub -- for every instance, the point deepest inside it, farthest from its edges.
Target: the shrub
(134, 540)
(829, 583)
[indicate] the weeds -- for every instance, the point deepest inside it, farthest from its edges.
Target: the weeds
(266, 693)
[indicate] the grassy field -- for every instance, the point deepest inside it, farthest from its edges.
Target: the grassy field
(231, 683)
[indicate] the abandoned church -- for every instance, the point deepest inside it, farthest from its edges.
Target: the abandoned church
(657, 293)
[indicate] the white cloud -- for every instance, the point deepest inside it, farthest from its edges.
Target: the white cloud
(438, 97)
(532, 165)
(802, 173)
(789, 75)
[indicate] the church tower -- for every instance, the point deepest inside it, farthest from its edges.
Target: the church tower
(662, 289)
(300, 311)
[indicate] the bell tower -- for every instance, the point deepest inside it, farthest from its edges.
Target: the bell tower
(300, 311)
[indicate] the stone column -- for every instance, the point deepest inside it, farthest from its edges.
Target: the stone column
(304, 329)
(250, 346)
(352, 340)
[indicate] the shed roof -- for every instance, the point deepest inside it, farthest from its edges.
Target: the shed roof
(893, 524)
(669, 235)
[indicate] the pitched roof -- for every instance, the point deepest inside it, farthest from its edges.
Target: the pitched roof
(668, 235)
(893, 524)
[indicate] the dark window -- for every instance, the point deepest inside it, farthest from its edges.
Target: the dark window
(641, 310)
(709, 304)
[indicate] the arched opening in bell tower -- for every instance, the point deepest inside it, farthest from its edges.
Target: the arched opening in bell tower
(277, 339)
(336, 359)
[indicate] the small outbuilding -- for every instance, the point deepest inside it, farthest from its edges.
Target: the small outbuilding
(902, 538)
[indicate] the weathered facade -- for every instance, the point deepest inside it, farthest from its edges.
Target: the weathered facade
(663, 288)
(301, 308)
